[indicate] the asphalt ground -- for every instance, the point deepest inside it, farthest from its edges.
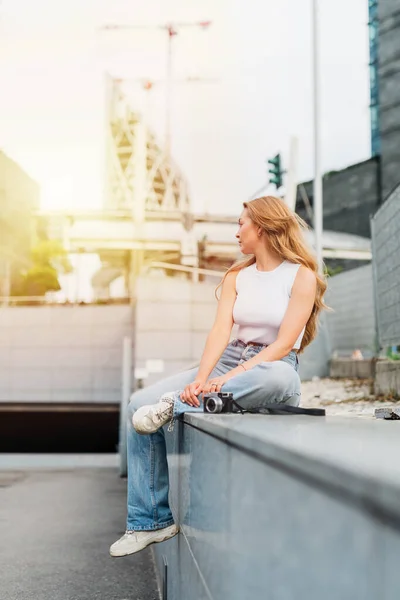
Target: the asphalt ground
(56, 527)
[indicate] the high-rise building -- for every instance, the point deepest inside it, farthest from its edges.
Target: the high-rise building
(353, 194)
(388, 60)
(373, 76)
(19, 199)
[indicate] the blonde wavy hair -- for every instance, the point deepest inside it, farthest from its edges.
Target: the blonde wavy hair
(285, 235)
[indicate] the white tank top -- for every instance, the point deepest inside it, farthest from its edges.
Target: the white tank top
(261, 302)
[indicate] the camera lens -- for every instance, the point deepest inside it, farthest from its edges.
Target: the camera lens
(214, 405)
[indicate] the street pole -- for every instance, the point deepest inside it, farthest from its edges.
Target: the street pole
(291, 185)
(126, 389)
(259, 191)
(171, 34)
(318, 200)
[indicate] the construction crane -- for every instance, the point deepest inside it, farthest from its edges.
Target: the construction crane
(148, 84)
(172, 30)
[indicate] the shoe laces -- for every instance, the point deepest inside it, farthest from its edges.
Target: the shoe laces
(172, 421)
(164, 407)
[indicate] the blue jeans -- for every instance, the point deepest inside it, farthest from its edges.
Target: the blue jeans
(148, 482)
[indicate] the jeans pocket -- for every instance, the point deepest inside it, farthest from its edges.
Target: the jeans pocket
(291, 359)
(249, 352)
(228, 360)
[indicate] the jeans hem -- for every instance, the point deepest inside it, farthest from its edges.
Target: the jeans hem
(151, 527)
(290, 396)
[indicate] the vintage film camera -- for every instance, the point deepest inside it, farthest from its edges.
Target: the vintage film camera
(218, 402)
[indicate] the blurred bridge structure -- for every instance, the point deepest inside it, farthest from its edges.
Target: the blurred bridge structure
(206, 241)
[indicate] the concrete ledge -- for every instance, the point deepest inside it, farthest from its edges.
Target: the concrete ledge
(283, 507)
(387, 378)
(348, 368)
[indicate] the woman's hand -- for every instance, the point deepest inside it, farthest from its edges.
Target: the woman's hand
(215, 384)
(191, 392)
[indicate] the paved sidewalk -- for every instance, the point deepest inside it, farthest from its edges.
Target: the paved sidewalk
(56, 528)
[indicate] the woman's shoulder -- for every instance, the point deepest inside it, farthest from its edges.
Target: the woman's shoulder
(248, 268)
(304, 274)
(245, 271)
(299, 268)
(292, 265)
(230, 279)
(299, 276)
(240, 275)
(288, 270)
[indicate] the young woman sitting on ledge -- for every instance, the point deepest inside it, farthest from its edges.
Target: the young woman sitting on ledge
(274, 297)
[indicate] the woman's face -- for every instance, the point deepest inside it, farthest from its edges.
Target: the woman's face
(248, 234)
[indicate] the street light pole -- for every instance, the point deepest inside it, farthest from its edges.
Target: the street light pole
(171, 34)
(318, 190)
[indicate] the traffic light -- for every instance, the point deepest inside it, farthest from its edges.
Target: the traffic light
(276, 171)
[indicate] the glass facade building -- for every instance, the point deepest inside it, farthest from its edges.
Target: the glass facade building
(373, 75)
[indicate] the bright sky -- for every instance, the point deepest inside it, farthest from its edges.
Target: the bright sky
(52, 63)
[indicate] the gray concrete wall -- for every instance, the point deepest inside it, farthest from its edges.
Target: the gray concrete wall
(389, 85)
(347, 368)
(275, 507)
(62, 353)
(74, 353)
(350, 198)
(387, 378)
(173, 319)
(386, 253)
(351, 323)
(314, 361)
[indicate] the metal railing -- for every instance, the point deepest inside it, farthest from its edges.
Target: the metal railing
(195, 271)
(14, 300)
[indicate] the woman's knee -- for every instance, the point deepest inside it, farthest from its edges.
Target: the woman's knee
(137, 400)
(142, 397)
(283, 381)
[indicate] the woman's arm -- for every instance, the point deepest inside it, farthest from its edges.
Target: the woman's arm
(217, 339)
(298, 312)
(219, 335)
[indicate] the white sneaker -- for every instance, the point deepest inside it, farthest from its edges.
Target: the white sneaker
(134, 541)
(149, 419)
